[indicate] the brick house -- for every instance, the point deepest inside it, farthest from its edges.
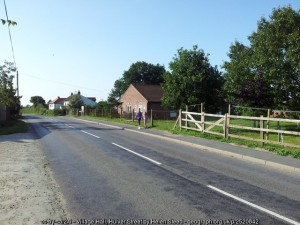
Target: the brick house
(143, 97)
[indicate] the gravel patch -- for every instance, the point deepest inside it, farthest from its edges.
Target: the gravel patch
(28, 191)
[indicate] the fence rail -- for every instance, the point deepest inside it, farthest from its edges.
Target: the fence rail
(233, 126)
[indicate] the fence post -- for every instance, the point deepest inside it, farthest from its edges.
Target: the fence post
(186, 122)
(228, 118)
(268, 124)
(121, 113)
(202, 118)
(180, 121)
(225, 126)
(261, 129)
(132, 115)
(203, 121)
(151, 117)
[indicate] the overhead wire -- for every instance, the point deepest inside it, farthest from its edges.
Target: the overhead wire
(11, 43)
(12, 47)
(62, 83)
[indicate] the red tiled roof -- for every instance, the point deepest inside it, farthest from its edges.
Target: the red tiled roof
(153, 93)
(59, 100)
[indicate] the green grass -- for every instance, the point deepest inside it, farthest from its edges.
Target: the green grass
(12, 126)
(41, 110)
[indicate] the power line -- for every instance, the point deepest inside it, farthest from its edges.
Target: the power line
(12, 47)
(62, 83)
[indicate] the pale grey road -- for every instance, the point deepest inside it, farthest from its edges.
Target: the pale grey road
(110, 173)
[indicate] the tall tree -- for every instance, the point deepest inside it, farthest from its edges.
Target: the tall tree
(7, 91)
(35, 100)
(274, 51)
(138, 73)
(75, 101)
(192, 80)
(255, 93)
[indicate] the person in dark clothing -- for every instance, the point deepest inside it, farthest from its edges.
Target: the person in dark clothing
(139, 116)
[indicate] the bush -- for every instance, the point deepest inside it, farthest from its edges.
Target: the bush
(59, 112)
(41, 110)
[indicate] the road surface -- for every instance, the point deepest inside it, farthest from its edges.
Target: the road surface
(109, 175)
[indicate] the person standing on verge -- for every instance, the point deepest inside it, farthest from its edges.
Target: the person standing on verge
(145, 117)
(139, 117)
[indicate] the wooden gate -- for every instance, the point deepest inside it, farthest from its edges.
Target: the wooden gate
(239, 127)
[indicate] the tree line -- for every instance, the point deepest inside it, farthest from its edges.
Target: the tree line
(264, 74)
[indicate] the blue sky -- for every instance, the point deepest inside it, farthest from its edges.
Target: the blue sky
(62, 46)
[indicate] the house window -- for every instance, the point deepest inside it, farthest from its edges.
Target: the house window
(140, 108)
(129, 108)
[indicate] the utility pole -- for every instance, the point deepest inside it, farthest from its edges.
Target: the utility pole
(18, 84)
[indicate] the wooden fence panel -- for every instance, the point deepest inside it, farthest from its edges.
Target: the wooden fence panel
(227, 123)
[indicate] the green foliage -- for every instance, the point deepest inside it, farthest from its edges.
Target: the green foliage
(12, 126)
(192, 80)
(75, 101)
(138, 73)
(7, 92)
(35, 100)
(57, 112)
(40, 109)
(103, 105)
(270, 67)
(8, 22)
(295, 154)
(248, 111)
(283, 152)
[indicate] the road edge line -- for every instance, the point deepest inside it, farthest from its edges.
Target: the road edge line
(265, 210)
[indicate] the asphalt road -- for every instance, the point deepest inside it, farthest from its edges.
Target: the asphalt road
(111, 174)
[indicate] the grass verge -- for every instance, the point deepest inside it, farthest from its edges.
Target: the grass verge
(280, 150)
(12, 126)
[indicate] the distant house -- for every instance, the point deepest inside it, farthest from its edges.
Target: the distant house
(87, 101)
(57, 103)
(60, 103)
(143, 97)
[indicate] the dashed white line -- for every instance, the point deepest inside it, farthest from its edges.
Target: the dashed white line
(89, 134)
(255, 206)
(135, 153)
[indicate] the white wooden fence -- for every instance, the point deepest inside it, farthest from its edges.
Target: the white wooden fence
(223, 125)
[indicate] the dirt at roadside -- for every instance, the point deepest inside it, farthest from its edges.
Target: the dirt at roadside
(28, 191)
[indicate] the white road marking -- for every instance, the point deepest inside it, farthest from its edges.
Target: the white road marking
(135, 153)
(255, 206)
(89, 134)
